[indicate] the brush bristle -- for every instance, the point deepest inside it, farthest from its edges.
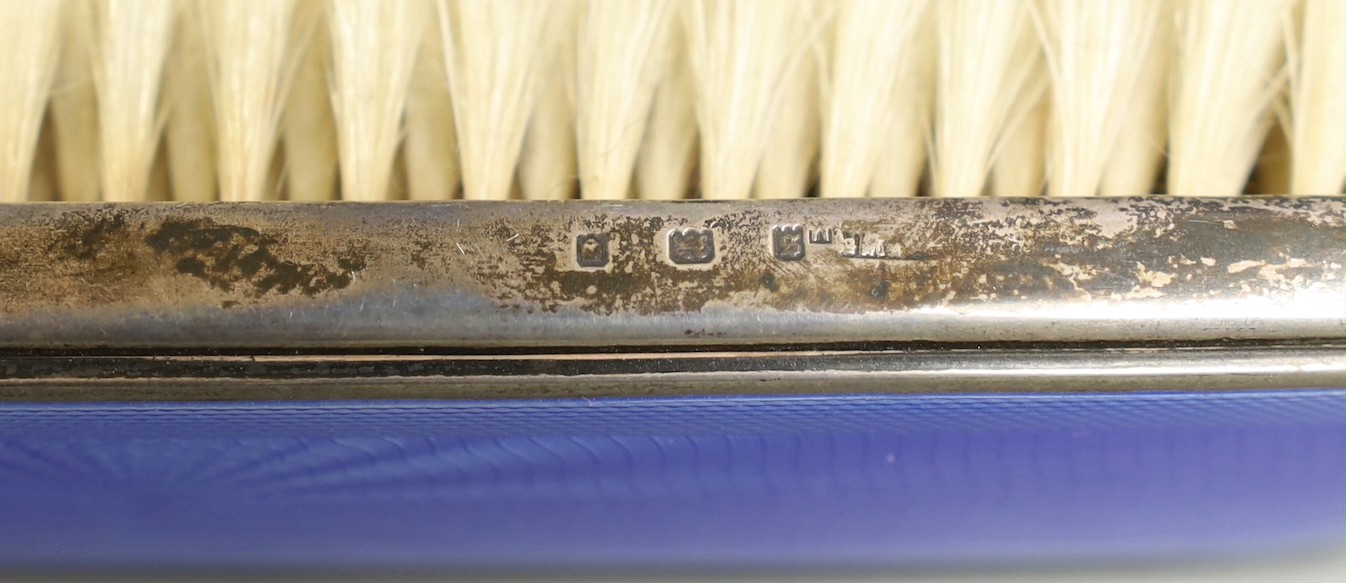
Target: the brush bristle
(1318, 83)
(28, 50)
(374, 47)
(877, 104)
(743, 53)
(314, 100)
(190, 137)
(1228, 71)
(248, 58)
(623, 49)
(131, 42)
(430, 146)
(547, 165)
(1091, 50)
(985, 59)
(494, 51)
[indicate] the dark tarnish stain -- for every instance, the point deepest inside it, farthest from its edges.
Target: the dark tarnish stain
(231, 257)
(419, 252)
(880, 291)
(88, 235)
(109, 254)
(769, 282)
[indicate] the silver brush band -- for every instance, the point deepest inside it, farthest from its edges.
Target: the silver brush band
(578, 299)
(602, 274)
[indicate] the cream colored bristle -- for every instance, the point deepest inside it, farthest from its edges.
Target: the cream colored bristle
(1138, 153)
(431, 146)
(314, 100)
(74, 108)
(374, 45)
(741, 52)
(668, 154)
(904, 157)
(1020, 166)
(548, 169)
(190, 136)
(492, 52)
(1229, 68)
(983, 88)
(789, 160)
(623, 49)
(875, 64)
(1091, 50)
(1318, 84)
(308, 126)
(905, 152)
(1018, 160)
(133, 38)
(246, 44)
(28, 57)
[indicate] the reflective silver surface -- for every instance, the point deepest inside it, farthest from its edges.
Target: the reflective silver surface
(306, 377)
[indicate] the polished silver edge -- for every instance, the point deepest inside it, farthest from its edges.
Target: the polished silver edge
(358, 377)
(649, 274)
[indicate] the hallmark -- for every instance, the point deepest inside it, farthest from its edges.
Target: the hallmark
(821, 236)
(691, 246)
(787, 242)
(591, 250)
(859, 246)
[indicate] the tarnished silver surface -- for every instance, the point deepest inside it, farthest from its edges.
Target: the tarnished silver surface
(591, 274)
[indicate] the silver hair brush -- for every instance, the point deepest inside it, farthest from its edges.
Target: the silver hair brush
(962, 373)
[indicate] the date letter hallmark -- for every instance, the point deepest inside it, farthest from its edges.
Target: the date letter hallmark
(691, 246)
(787, 242)
(591, 250)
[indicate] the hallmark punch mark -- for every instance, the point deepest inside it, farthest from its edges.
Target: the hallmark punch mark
(591, 250)
(787, 242)
(691, 246)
